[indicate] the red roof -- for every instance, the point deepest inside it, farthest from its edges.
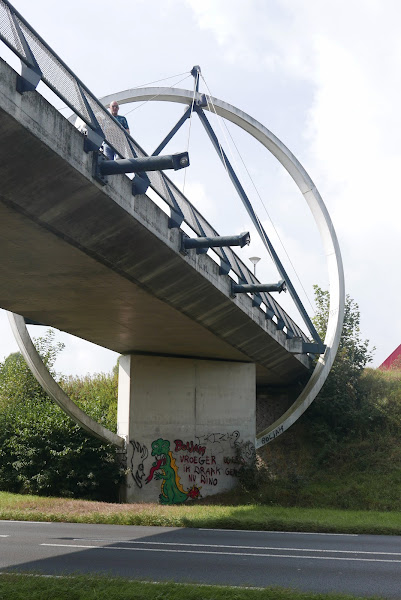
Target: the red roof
(390, 359)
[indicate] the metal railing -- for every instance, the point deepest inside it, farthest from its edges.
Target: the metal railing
(40, 63)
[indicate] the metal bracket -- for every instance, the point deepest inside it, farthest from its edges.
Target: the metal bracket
(98, 158)
(225, 268)
(257, 300)
(145, 163)
(93, 140)
(29, 79)
(269, 313)
(251, 288)
(202, 244)
(297, 345)
(140, 184)
(201, 102)
(175, 220)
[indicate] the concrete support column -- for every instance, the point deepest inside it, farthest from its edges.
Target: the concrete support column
(183, 420)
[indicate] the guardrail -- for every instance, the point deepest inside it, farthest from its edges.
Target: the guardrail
(40, 63)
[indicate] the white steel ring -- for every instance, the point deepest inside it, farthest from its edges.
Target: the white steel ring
(40, 372)
(322, 219)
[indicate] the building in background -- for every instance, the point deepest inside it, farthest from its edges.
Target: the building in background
(393, 361)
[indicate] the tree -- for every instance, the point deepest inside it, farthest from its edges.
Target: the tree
(16, 379)
(339, 410)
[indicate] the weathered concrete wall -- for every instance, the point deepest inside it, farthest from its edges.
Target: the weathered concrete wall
(192, 415)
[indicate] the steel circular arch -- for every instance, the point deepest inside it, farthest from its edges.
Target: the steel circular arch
(320, 215)
(48, 383)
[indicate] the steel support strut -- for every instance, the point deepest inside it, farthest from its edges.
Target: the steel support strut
(30, 70)
(172, 133)
(251, 288)
(241, 192)
(146, 163)
(202, 243)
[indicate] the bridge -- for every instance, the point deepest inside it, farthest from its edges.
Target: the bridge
(93, 255)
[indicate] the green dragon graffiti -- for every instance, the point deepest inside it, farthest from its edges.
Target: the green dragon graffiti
(164, 468)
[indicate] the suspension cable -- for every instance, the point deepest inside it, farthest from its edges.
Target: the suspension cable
(271, 220)
(155, 96)
(256, 189)
(196, 80)
(159, 80)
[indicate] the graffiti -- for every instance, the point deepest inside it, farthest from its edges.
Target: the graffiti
(165, 468)
(189, 447)
(204, 472)
(208, 460)
(272, 435)
(139, 455)
(231, 472)
(213, 438)
(236, 460)
(182, 467)
(248, 451)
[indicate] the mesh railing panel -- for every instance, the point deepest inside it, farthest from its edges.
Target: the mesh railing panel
(55, 75)
(8, 32)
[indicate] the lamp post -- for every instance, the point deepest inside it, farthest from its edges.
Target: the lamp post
(254, 260)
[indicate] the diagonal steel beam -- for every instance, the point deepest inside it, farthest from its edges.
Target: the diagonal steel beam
(241, 192)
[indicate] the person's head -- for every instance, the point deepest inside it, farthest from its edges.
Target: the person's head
(113, 108)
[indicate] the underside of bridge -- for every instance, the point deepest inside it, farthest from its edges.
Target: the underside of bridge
(103, 265)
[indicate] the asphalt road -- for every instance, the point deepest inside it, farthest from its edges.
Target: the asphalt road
(354, 564)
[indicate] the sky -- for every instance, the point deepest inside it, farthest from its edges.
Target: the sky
(324, 77)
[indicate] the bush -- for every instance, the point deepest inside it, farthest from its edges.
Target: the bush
(96, 395)
(42, 451)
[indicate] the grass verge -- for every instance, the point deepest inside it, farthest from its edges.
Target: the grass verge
(21, 587)
(252, 517)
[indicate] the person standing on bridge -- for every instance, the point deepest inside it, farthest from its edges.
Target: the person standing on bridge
(114, 108)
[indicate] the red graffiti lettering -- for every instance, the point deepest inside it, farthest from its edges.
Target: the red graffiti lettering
(209, 471)
(189, 447)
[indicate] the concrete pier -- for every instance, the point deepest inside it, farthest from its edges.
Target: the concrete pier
(184, 421)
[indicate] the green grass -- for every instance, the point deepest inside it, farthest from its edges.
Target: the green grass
(21, 587)
(252, 517)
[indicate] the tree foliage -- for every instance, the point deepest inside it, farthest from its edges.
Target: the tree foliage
(42, 451)
(96, 395)
(340, 410)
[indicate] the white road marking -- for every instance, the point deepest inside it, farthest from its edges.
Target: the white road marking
(111, 541)
(286, 532)
(31, 522)
(4, 535)
(225, 553)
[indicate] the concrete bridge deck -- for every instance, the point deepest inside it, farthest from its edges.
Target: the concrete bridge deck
(103, 265)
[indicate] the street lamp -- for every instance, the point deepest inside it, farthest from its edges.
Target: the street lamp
(254, 260)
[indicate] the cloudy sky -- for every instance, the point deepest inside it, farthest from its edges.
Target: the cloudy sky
(324, 77)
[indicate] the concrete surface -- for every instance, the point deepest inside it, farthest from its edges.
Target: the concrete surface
(195, 415)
